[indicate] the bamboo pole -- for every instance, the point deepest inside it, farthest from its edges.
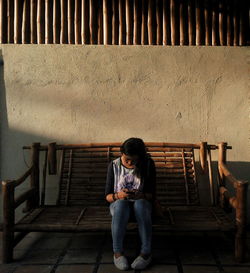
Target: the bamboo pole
(174, 22)
(115, 22)
(144, 29)
(77, 21)
(40, 22)
(215, 24)
(92, 22)
(33, 23)
(222, 23)
(150, 23)
(85, 22)
(183, 23)
(129, 26)
(243, 14)
(17, 21)
(166, 23)
(100, 23)
(106, 31)
(229, 23)
(3, 21)
(56, 22)
(70, 15)
(159, 22)
(191, 22)
(48, 22)
(137, 28)
(236, 19)
(25, 23)
(208, 23)
(122, 23)
(10, 21)
(63, 32)
(199, 28)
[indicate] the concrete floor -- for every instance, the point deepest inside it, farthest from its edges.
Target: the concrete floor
(92, 253)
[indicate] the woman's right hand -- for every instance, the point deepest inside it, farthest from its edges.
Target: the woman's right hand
(123, 194)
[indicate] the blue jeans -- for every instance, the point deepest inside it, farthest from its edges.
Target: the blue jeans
(120, 211)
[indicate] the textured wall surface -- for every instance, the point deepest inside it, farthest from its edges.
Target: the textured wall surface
(74, 94)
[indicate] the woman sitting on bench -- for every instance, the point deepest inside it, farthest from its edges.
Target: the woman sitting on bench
(130, 190)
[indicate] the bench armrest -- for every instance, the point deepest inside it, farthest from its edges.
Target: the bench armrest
(239, 201)
(10, 203)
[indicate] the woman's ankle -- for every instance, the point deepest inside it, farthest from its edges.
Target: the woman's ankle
(118, 254)
(145, 256)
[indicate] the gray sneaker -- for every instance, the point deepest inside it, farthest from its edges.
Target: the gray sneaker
(121, 262)
(141, 263)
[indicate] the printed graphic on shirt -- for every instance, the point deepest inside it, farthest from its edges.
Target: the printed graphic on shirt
(128, 181)
(124, 177)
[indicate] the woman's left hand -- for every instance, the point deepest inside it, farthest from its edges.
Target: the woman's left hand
(139, 195)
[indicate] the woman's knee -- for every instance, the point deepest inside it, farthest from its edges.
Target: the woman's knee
(142, 205)
(119, 206)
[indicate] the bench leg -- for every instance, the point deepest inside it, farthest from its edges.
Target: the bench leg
(240, 244)
(8, 246)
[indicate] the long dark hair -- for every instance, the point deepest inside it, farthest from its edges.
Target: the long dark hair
(136, 146)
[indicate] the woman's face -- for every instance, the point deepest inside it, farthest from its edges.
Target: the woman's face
(129, 161)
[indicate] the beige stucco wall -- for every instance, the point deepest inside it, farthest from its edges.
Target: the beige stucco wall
(74, 94)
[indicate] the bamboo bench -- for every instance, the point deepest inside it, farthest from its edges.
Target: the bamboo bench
(81, 204)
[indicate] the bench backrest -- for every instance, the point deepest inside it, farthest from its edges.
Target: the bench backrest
(84, 168)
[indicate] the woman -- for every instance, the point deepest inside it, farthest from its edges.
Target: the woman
(130, 188)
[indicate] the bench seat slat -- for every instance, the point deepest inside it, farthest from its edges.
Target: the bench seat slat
(65, 219)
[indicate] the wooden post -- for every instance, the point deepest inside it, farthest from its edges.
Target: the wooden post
(191, 22)
(10, 21)
(8, 221)
(208, 23)
(122, 23)
(34, 179)
(85, 22)
(144, 28)
(166, 23)
(52, 159)
(203, 156)
(77, 21)
(241, 221)
(115, 22)
(183, 23)
(33, 23)
(222, 158)
(129, 25)
(137, 23)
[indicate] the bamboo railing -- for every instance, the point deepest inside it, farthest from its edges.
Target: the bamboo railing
(125, 22)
